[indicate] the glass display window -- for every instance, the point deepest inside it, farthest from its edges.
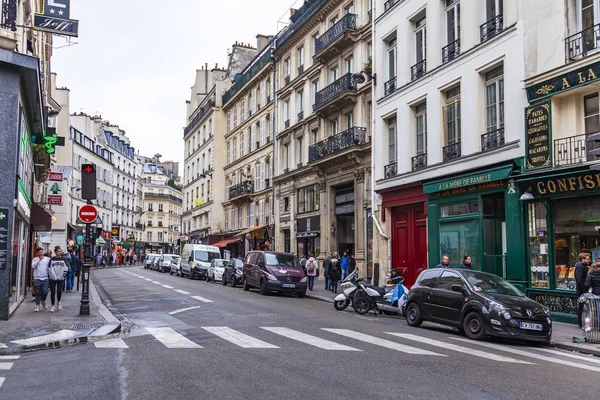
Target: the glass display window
(539, 262)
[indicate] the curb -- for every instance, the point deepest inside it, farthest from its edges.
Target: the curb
(577, 349)
(319, 298)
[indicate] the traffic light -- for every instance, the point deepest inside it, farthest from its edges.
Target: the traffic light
(88, 181)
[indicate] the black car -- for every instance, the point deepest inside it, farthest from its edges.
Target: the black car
(233, 272)
(478, 304)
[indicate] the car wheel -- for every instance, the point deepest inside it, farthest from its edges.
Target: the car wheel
(223, 280)
(207, 278)
(413, 315)
(191, 275)
(362, 305)
(341, 305)
(246, 286)
(213, 279)
(171, 272)
(233, 284)
(474, 326)
(263, 288)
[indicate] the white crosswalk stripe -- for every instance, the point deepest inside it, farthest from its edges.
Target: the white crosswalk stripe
(1, 381)
(460, 349)
(181, 291)
(167, 286)
(202, 299)
(530, 355)
(239, 338)
(156, 283)
(9, 357)
(382, 342)
(3, 346)
(183, 310)
(309, 339)
(6, 365)
(571, 355)
(111, 344)
(172, 339)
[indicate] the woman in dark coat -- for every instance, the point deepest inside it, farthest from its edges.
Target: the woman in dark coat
(335, 272)
(593, 280)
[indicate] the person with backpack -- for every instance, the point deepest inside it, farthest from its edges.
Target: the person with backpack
(312, 268)
(57, 272)
(326, 271)
(335, 272)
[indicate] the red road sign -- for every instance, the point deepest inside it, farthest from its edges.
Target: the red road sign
(88, 214)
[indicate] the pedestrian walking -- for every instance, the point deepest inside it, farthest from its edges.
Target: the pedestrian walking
(581, 273)
(40, 266)
(467, 263)
(351, 264)
(335, 272)
(445, 262)
(59, 265)
(49, 254)
(312, 269)
(72, 272)
(345, 263)
(327, 271)
(303, 262)
(135, 259)
(592, 281)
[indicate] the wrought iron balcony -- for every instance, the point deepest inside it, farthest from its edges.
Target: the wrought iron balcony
(350, 137)
(389, 87)
(337, 88)
(198, 117)
(491, 28)
(389, 4)
(347, 23)
(574, 150)
(286, 124)
(301, 69)
(300, 116)
(583, 43)
(451, 152)
(419, 161)
(287, 80)
(8, 15)
(491, 140)
(241, 189)
(139, 226)
(418, 70)
(451, 51)
(390, 170)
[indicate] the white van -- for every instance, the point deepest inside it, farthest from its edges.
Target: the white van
(196, 259)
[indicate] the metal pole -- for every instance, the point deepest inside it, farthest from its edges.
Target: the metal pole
(84, 309)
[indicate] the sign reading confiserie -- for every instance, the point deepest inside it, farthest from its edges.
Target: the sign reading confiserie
(537, 133)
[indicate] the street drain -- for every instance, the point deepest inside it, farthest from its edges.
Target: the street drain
(121, 317)
(81, 326)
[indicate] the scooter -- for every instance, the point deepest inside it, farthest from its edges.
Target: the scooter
(349, 288)
(388, 300)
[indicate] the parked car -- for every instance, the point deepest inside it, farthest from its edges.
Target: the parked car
(149, 260)
(234, 272)
(216, 269)
(272, 271)
(164, 262)
(175, 266)
(478, 304)
(197, 258)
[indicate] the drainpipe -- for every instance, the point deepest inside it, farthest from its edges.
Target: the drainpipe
(273, 158)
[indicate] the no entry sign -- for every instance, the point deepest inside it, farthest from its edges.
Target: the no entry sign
(88, 214)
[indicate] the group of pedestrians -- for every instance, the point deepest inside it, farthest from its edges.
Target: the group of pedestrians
(587, 276)
(50, 272)
(466, 264)
(335, 268)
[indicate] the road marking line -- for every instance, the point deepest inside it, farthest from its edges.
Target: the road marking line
(149, 280)
(111, 344)
(54, 337)
(560, 353)
(239, 338)
(460, 349)
(9, 357)
(3, 346)
(202, 299)
(167, 286)
(172, 339)
(382, 342)
(183, 309)
(531, 355)
(156, 283)
(181, 291)
(1, 381)
(6, 365)
(309, 339)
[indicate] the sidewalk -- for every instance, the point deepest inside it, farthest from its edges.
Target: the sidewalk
(27, 330)
(319, 292)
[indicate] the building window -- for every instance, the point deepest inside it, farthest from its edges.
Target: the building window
(253, 100)
(252, 137)
(250, 214)
(243, 111)
(494, 23)
(234, 149)
(494, 99)
(418, 70)
(160, 236)
(227, 158)
(300, 59)
(452, 49)
(261, 132)
(240, 213)
(263, 93)
(257, 178)
(333, 74)
(308, 199)
(261, 212)
(149, 236)
(241, 144)
(286, 113)
(300, 150)
(421, 127)
(334, 127)
(349, 65)
(300, 101)
(392, 49)
(315, 90)
(228, 125)
(288, 70)
(451, 111)
(392, 151)
(591, 114)
(349, 120)
(286, 155)
(271, 125)
(235, 117)
(286, 204)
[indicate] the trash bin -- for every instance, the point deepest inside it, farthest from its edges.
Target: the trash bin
(591, 317)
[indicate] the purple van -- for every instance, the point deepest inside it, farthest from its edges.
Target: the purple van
(271, 271)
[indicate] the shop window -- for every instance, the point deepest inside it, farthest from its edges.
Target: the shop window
(461, 238)
(591, 113)
(470, 207)
(308, 199)
(538, 245)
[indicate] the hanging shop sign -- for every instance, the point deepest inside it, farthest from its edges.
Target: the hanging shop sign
(344, 209)
(3, 237)
(480, 180)
(55, 18)
(571, 80)
(55, 188)
(587, 181)
(538, 132)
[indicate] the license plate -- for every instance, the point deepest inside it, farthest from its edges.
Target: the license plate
(289, 285)
(530, 326)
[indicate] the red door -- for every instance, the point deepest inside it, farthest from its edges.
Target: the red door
(409, 241)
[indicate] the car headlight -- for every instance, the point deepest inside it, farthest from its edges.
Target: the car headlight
(496, 307)
(271, 277)
(546, 310)
(239, 271)
(303, 280)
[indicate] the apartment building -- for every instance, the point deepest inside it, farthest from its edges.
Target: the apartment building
(323, 131)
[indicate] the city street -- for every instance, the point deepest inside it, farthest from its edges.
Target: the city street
(193, 339)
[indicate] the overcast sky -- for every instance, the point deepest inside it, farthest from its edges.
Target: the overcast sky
(135, 60)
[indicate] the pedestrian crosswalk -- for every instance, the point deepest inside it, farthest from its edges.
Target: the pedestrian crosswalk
(347, 340)
(6, 363)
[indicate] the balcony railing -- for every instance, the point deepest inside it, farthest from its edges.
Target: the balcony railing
(347, 23)
(418, 70)
(491, 140)
(390, 170)
(8, 15)
(419, 162)
(491, 28)
(574, 150)
(389, 4)
(583, 43)
(300, 116)
(286, 124)
(241, 189)
(451, 51)
(335, 89)
(139, 226)
(451, 152)
(287, 80)
(389, 87)
(350, 137)
(301, 69)
(201, 113)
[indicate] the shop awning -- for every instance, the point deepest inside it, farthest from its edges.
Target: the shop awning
(250, 230)
(100, 242)
(474, 178)
(225, 243)
(41, 220)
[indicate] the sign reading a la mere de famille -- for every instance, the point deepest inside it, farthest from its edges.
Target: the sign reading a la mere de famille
(561, 83)
(55, 18)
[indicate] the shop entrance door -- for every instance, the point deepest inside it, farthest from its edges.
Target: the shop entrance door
(409, 241)
(494, 234)
(345, 234)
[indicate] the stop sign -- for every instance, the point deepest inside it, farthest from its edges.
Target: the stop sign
(88, 214)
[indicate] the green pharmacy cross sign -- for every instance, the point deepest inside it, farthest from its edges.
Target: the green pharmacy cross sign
(49, 140)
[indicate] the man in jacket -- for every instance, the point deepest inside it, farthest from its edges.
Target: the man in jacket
(326, 271)
(345, 263)
(581, 272)
(592, 281)
(40, 278)
(72, 273)
(467, 263)
(445, 262)
(59, 265)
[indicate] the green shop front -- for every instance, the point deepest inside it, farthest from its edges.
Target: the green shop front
(477, 214)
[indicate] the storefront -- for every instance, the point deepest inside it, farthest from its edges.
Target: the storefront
(308, 236)
(344, 226)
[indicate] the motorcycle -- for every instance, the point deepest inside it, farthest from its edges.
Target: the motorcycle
(388, 300)
(349, 288)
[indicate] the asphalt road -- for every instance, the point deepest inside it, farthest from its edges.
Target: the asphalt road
(192, 339)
